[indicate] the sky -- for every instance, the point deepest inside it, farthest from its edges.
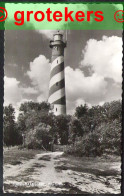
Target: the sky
(93, 67)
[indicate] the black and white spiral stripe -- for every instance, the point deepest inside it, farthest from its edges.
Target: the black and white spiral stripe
(57, 82)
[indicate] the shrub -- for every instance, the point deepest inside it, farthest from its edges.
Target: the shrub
(38, 137)
(105, 139)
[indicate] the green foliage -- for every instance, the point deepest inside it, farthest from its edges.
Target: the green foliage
(75, 129)
(62, 128)
(90, 132)
(34, 106)
(113, 110)
(101, 131)
(32, 114)
(11, 135)
(81, 111)
(105, 139)
(111, 137)
(38, 136)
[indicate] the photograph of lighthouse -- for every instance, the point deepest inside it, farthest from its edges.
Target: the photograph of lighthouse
(62, 111)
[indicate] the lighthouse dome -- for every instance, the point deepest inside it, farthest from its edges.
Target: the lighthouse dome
(58, 37)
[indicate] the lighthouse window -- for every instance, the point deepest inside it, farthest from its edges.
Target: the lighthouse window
(57, 61)
(56, 109)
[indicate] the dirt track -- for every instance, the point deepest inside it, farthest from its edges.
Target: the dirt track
(50, 173)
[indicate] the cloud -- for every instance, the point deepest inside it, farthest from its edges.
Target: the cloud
(39, 74)
(12, 92)
(71, 105)
(103, 84)
(104, 57)
(40, 98)
(81, 89)
(29, 90)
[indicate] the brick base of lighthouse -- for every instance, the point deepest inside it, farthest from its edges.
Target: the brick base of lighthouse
(59, 109)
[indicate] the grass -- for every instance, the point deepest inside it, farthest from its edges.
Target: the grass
(15, 156)
(99, 166)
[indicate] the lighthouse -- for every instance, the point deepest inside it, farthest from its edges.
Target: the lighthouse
(57, 97)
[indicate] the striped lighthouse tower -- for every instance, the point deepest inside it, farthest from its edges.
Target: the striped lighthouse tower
(57, 97)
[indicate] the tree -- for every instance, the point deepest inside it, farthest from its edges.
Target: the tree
(81, 111)
(34, 106)
(62, 127)
(75, 129)
(113, 110)
(39, 137)
(31, 114)
(11, 134)
(101, 127)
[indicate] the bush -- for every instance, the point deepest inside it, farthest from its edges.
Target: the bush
(111, 137)
(105, 139)
(38, 137)
(89, 145)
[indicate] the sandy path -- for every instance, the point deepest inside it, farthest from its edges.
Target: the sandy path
(41, 175)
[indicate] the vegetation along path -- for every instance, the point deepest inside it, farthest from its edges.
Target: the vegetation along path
(51, 172)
